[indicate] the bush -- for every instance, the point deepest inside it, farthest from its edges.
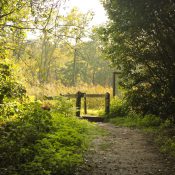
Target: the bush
(63, 106)
(10, 89)
(38, 142)
(118, 108)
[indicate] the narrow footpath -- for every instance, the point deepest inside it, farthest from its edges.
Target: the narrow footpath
(125, 151)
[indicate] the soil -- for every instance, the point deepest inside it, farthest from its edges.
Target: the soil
(125, 151)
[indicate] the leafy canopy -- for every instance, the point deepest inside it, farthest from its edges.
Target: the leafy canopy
(139, 40)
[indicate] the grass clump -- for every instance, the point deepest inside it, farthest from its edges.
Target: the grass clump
(135, 120)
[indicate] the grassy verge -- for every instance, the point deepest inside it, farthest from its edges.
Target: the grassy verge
(162, 131)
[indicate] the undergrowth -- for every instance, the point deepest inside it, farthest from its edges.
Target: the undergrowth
(40, 142)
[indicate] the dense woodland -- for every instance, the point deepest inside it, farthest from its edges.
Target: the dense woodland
(139, 40)
(65, 54)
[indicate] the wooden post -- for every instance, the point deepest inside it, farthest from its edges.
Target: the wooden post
(78, 103)
(107, 103)
(85, 104)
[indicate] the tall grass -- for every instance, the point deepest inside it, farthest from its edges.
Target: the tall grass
(94, 105)
(55, 89)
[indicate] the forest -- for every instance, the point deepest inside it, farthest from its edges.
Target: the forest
(47, 52)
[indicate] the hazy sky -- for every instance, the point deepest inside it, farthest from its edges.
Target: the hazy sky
(93, 5)
(84, 6)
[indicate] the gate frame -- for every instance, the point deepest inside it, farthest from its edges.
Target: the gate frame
(79, 95)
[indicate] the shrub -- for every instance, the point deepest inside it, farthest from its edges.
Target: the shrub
(9, 88)
(41, 143)
(63, 106)
(11, 92)
(118, 108)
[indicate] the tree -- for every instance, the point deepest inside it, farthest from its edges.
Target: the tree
(67, 30)
(19, 16)
(91, 67)
(16, 18)
(98, 70)
(76, 25)
(139, 41)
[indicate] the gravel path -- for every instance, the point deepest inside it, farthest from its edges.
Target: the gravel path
(125, 151)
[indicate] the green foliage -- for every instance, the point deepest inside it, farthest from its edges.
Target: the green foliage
(12, 13)
(8, 110)
(36, 142)
(90, 67)
(167, 144)
(48, 58)
(63, 106)
(166, 140)
(11, 92)
(139, 40)
(9, 88)
(135, 120)
(118, 108)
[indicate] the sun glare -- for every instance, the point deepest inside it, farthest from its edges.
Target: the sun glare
(84, 6)
(93, 5)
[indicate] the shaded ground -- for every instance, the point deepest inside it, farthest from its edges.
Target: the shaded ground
(125, 151)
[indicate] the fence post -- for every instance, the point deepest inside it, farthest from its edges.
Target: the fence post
(85, 104)
(78, 103)
(107, 103)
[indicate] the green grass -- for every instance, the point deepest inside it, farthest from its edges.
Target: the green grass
(93, 112)
(162, 131)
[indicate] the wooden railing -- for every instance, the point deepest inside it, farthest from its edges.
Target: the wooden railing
(79, 95)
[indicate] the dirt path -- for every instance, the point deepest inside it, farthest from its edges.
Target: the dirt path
(125, 151)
